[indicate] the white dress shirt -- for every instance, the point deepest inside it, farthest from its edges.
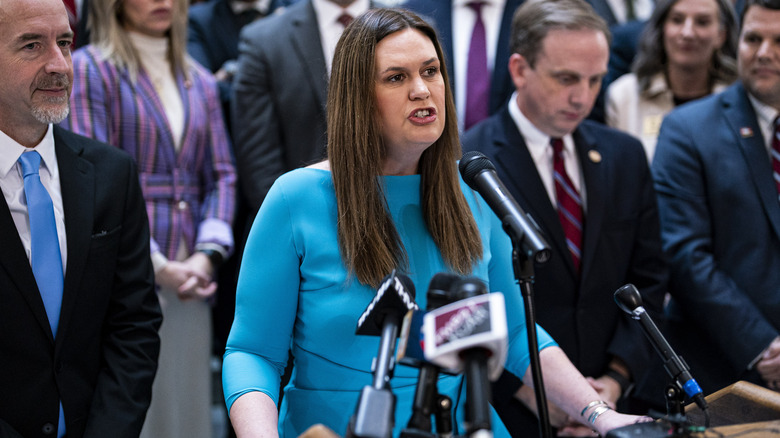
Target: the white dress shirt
(330, 28)
(463, 20)
(538, 144)
(12, 184)
(766, 116)
(642, 9)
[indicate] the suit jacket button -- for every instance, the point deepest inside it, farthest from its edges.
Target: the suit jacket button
(48, 429)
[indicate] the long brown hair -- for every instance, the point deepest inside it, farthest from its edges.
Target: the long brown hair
(651, 57)
(369, 242)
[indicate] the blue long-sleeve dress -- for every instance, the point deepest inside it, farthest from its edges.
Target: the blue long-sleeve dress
(294, 292)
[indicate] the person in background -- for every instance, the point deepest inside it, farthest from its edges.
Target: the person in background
(327, 234)
(78, 311)
(716, 171)
(589, 189)
(137, 89)
(213, 35)
(618, 12)
(280, 88)
(478, 92)
(687, 51)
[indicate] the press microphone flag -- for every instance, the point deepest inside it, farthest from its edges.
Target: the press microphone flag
(475, 322)
(394, 298)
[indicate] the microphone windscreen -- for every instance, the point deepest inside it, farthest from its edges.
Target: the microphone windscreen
(468, 287)
(471, 164)
(628, 298)
(439, 290)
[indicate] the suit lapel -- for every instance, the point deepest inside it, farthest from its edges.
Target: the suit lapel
(13, 260)
(77, 185)
(306, 43)
(741, 117)
(596, 184)
(522, 177)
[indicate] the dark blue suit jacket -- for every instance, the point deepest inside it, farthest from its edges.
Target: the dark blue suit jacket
(440, 12)
(720, 219)
(621, 244)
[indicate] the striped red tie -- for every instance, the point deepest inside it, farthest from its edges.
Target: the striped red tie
(569, 204)
(776, 156)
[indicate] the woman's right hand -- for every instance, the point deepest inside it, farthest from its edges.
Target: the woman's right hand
(187, 282)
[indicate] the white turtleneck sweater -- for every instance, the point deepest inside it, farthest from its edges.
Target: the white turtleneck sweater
(153, 54)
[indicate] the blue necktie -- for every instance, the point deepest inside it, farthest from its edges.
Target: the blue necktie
(45, 247)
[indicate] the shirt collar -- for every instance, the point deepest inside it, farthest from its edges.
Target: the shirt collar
(329, 12)
(532, 134)
(765, 113)
(463, 3)
(11, 150)
(261, 6)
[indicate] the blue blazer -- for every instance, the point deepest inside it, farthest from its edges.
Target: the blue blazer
(720, 219)
(440, 12)
(621, 245)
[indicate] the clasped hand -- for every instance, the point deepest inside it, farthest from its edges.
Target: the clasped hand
(191, 278)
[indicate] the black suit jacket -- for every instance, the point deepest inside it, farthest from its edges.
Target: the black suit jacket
(440, 12)
(103, 361)
(279, 93)
(621, 244)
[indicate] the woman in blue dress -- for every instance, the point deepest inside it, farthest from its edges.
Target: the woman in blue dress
(388, 198)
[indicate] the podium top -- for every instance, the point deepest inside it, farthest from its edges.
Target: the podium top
(737, 404)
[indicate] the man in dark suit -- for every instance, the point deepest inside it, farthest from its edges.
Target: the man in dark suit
(213, 31)
(720, 215)
(79, 350)
(602, 224)
(280, 88)
(616, 12)
(499, 21)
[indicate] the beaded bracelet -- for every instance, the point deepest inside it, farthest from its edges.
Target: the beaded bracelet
(596, 412)
(592, 404)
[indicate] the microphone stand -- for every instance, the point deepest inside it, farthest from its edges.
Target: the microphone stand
(524, 274)
(375, 412)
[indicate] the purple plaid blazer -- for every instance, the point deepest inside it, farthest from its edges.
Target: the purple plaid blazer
(189, 195)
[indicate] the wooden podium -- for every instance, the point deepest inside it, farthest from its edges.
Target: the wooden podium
(740, 403)
(742, 409)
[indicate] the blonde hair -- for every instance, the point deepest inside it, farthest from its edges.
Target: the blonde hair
(369, 242)
(107, 32)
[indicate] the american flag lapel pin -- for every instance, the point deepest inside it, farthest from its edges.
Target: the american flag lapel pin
(746, 132)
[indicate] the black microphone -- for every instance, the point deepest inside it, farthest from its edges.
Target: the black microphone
(480, 174)
(470, 335)
(630, 301)
(427, 400)
(375, 413)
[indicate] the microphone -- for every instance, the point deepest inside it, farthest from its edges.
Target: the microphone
(427, 400)
(470, 335)
(374, 416)
(480, 174)
(630, 301)
(476, 320)
(410, 347)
